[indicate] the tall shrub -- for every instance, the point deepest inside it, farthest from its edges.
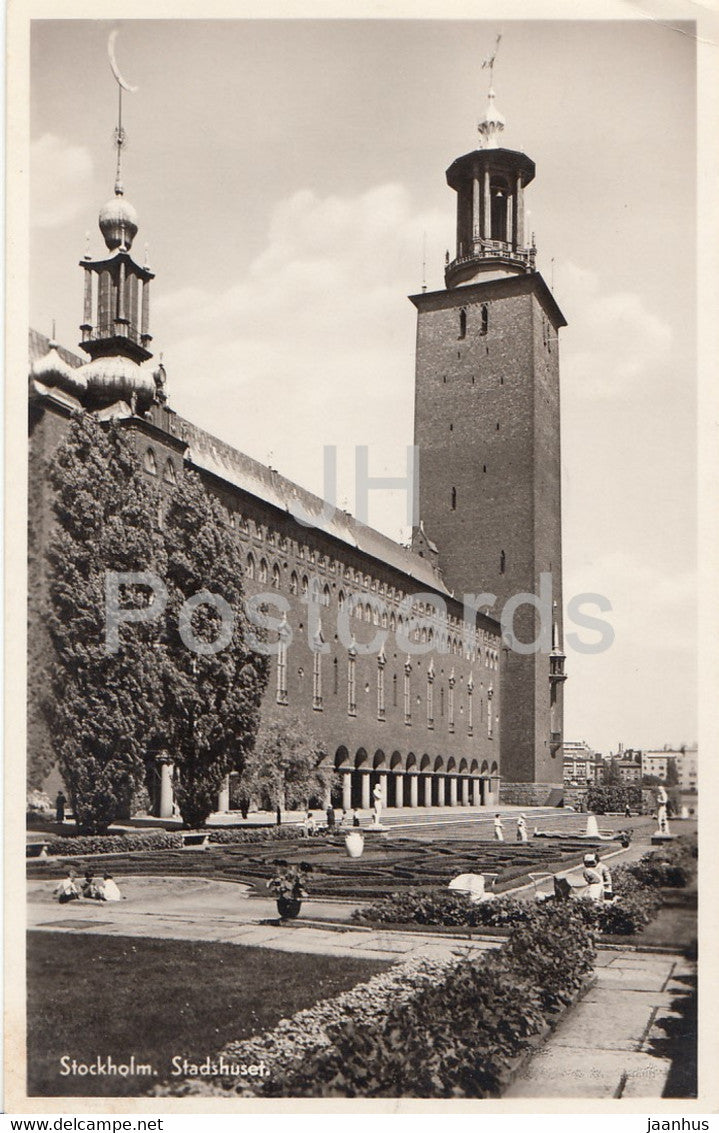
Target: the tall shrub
(100, 706)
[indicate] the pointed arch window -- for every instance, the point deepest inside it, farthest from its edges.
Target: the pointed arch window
(282, 672)
(294, 582)
(262, 572)
(150, 463)
(305, 585)
(381, 661)
(326, 596)
(317, 680)
(341, 600)
(351, 684)
(250, 566)
(276, 578)
(407, 694)
(169, 475)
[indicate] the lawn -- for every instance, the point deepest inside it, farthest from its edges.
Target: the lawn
(96, 996)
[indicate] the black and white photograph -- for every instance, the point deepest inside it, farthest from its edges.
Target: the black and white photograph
(356, 739)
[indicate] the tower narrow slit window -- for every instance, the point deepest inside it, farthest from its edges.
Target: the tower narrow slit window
(502, 562)
(454, 499)
(351, 685)
(462, 323)
(484, 319)
(282, 672)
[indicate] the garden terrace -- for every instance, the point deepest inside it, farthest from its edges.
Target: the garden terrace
(387, 863)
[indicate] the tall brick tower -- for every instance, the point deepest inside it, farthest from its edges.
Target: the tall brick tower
(487, 427)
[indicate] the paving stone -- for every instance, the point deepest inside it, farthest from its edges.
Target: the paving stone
(561, 1073)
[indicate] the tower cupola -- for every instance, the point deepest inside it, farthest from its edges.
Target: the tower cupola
(489, 183)
(116, 316)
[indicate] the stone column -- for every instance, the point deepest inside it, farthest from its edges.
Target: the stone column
(223, 799)
(87, 309)
(165, 787)
(465, 791)
(399, 790)
(452, 790)
(509, 236)
(327, 801)
(476, 794)
(476, 228)
(365, 790)
(427, 790)
(519, 212)
(413, 790)
(347, 790)
(441, 782)
(145, 317)
(487, 208)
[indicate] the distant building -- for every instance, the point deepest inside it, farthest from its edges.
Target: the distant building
(685, 761)
(582, 765)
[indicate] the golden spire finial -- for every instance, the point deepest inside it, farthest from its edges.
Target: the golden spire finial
(492, 124)
(120, 135)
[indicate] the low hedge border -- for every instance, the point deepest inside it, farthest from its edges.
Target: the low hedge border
(637, 883)
(458, 1032)
(82, 844)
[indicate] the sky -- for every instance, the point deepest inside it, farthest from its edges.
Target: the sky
(289, 180)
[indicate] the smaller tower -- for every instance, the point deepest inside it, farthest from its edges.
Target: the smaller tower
(116, 315)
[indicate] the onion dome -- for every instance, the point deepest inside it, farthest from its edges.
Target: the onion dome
(115, 378)
(491, 126)
(118, 222)
(52, 370)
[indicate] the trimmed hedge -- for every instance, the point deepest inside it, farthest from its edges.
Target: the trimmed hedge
(611, 799)
(428, 1028)
(459, 1036)
(78, 846)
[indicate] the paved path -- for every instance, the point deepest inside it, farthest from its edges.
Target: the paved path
(199, 911)
(610, 1045)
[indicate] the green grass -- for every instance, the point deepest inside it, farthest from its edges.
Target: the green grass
(95, 995)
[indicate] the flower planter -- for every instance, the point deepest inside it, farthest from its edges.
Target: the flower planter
(354, 844)
(289, 907)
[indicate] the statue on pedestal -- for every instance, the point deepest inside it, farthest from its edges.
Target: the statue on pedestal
(378, 800)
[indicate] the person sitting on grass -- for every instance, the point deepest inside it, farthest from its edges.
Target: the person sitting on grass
(67, 890)
(597, 878)
(109, 890)
(90, 887)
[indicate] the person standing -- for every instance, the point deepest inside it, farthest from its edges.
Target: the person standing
(356, 817)
(521, 829)
(498, 828)
(330, 817)
(60, 807)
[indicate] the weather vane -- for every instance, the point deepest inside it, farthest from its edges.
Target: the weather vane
(489, 61)
(120, 135)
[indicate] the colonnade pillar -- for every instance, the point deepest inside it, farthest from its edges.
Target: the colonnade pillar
(427, 790)
(476, 792)
(399, 790)
(347, 790)
(165, 787)
(465, 791)
(223, 798)
(453, 790)
(441, 781)
(365, 790)
(413, 790)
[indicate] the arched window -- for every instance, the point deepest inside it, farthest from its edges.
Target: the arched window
(250, 566)
(149, 463)
(326, 596)
(341, 600)
(305, 585)
(294, 582)
(462, 323)
(282, 672)
(454, 499)
(169, 475)
(262, 573)
(484, 324)
(368, 613)
(275, 577)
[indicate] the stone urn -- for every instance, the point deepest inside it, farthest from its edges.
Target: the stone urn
(354, 843)
(289, 907)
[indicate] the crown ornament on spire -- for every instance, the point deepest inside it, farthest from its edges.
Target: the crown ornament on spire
(491, 126)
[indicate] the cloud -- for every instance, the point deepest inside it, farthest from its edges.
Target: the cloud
(60, 173)
(613, 344)
(318, 326)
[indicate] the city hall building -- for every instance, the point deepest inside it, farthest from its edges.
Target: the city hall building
(458, 719)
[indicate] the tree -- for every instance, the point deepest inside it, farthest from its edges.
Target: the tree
(100, 705)
(612, 775)
(210, 696)
(287, 765)
(650, 780)
(672, 773)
